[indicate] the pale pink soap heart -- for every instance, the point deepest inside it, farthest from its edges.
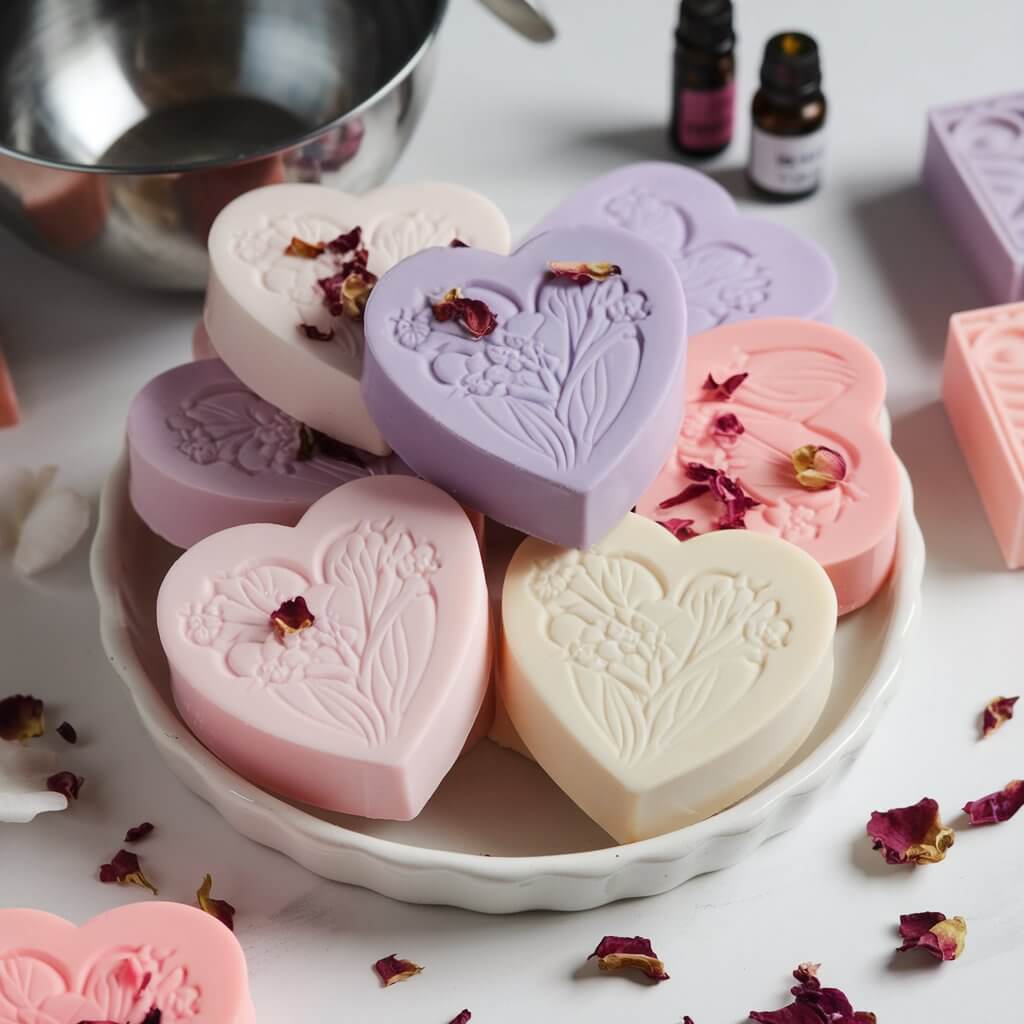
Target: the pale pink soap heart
(983, 390)
(257, 295)
(807, 383)
(365, 710)
(658, 682)
(121, 965)
(556, 421)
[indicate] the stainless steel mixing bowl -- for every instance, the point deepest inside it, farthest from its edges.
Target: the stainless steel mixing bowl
(126, 125)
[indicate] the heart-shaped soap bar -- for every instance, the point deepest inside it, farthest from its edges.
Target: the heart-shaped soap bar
(556, 421)
(360, 699)
(120, 966)
(258, 294)
(806, 384)
(732, 266)
(658, 681)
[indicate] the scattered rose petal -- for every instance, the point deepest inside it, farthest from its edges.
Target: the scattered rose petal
(125, 869)
(346, 242)
(998, 711)
(52, 527)
(66, 731)
(291, 617)
(137, 832)
(220, 909)
(687, 1019)
(619, 953)
(999, 806)
(941, 936)
(727, 388)
(911, 835)
(813, 1004)
(473, 314)
(21, 717)
(818, 468)
(314, 333)
(304, 250)
(346, 292)
(463, 1018)
(582, 273)
(23, 774)
(67, 783)
(727, 427)
(391, 970)
(681, 529)
(722, 488)
(458, 243)
(688, 493)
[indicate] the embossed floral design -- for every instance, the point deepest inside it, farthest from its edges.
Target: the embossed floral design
(406, 233)
(645, 662)
(357, 667)
(412, 328)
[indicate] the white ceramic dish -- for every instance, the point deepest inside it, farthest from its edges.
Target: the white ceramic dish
(498, 836)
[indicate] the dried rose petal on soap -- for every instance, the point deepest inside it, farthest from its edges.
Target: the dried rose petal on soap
(813, 1004)
(304, 250)
(688, 493)
(727, 388)
(911, 835)
(999, 806)
(727, 427)
(137, 832)
(291, 616)
(941, 936)
(818, 468)
(21, 717)
(220, 909)
(619, 953)
(66, 731)
(582, 273)
(458, 243)
(355, 292)
(391, 970)
(681, 529)
(314, 333)
(998, 711)
(67, 783)
(463, 1018)
(125, 869)
(473, 314)
(346, 242)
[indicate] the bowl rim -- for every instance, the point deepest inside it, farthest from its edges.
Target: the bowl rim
(282, 146)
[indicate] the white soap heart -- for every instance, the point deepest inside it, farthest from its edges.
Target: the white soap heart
(658, 681)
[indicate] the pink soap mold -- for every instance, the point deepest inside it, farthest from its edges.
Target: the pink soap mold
(756, 394)
(205, 454)
(343, 662)
(983, 388)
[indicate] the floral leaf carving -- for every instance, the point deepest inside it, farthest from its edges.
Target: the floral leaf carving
(126, 983)
(404, 234)
(26, 982)
(651, 217)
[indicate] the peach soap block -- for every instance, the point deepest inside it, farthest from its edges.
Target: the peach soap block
(263, 287)
(143, 962)
(983, 388)
(658, 682)
(757, 394)
(341, 662)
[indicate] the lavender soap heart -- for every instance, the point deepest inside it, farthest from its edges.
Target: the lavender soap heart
(732, 266)
(548, 401)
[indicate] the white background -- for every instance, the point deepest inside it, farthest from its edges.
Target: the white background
(527, 125)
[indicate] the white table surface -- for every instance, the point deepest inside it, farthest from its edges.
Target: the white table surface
(526, 125)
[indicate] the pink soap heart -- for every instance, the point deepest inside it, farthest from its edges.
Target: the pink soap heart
(366, 708)
(120, 966)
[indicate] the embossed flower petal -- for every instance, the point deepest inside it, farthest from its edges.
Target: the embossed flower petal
(818, 468)
(998, 711)
(462, 1018)
(304, 250)
(941, 936)
(727, 388)
(996, 807)
(314, 333)
(391, 970)
(220, 909)
(620, 953)
(911, 835)
(66, 731)
(137, 832)
(67, 783)
(582, 273)
(813, 1004)
(290, 617)
(125, 869)
(21, 717)
(346, 242)
(681, 529)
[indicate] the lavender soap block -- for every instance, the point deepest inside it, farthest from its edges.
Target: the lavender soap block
(974, 171)
(547, 400)
(732, 266)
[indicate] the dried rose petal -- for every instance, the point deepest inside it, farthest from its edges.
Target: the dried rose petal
(291, 616)
(941, 936)
(66, 731)
(998, 711)
(463, 1018)
(21, 717)
(314, 333)
(727, 388)
(134, 834)
(722, 488)
(474, 314)
(813, 1004)
(688, 493)
(67, 783)
(304, 250)
(346, 292)
(911, 835)
(999, 806)
(458, 243)
(346, 242)
(681, 529)
(391, 970)
(818, 468)
(125, 869)
(619, 953)
(727, 426)
(582, 273)
(220, 909)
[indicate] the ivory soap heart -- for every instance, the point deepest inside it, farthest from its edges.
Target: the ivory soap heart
(258, 295)
(120, 966)
(658, 681)
(556, 421)
(366, 709)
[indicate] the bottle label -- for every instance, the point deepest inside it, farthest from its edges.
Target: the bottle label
(706, 117)
(788, 164)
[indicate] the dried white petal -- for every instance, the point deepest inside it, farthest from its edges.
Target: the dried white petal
(17, 493)
(23, 775)
(52, 528)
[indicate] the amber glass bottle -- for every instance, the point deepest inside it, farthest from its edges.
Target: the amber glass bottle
(704, 87)
(787, 139)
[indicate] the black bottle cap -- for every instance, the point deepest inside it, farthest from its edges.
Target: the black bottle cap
(706, 24)
(791, 68)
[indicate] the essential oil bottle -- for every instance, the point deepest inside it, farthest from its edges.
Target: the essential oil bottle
(787, 139)
(704, 86)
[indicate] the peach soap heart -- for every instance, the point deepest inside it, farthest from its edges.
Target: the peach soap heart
(359, 697)
(556, 418)
(657, 682)
(259, 294)
(121, 966)
(805, 384)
